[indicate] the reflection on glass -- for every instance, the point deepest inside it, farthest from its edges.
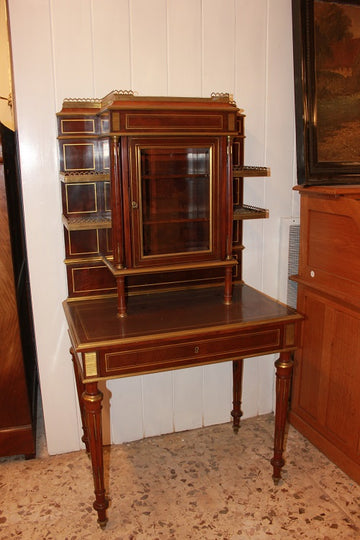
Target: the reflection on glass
(175, 199)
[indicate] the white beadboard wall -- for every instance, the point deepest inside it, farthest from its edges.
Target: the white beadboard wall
(86, 48)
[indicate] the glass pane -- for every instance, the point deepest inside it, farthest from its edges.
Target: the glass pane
(175, 200)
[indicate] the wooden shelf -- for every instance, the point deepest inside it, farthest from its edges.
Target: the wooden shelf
(86, 223)
(166, 268)
(250, 212)
(78, 177)
(247, 171)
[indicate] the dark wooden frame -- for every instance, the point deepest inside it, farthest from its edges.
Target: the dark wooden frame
(311, 170)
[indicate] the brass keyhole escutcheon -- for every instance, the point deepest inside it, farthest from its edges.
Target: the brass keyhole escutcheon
(197, 349)
(134, 204)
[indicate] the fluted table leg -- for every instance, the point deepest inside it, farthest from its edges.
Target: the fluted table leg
(80, 391)
(283, 379)
(92, 398)
(236, 413)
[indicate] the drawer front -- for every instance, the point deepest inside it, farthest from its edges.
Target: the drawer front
(190, 353)
(173, 122)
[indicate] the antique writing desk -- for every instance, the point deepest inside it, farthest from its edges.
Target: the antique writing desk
(152, 211)
(173, 330)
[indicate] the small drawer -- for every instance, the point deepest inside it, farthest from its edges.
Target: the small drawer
(153, 357)
(138, 121)
(75, 126)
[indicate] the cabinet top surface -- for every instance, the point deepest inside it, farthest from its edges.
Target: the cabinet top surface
(127, 100)
(95, 322)
(334, 190)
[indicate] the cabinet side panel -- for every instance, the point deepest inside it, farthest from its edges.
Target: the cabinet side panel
(307, 368)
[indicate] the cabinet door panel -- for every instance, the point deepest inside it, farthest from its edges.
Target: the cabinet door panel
(175, 199)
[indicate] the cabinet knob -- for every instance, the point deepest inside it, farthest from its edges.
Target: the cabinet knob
(134, 204)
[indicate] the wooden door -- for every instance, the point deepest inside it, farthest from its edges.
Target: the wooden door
(175, 199)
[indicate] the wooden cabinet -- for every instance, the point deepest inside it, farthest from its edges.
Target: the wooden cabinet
(152, 193)
(326, 380)
(18, 370)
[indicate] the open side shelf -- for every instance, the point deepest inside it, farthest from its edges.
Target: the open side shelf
(245, 171)
(166, 267)
(87, 223)
(246, 211)
(78, 176)
(249, 212)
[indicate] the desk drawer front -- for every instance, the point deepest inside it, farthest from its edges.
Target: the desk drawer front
(158, 357)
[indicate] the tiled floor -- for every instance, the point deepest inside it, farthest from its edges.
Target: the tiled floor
(203, 484)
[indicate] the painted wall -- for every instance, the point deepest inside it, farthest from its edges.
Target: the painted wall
(86, 48)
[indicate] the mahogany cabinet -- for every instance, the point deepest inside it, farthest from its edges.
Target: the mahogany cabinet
(152, 193)
(152, 211)
(326, 378)
(18, 368)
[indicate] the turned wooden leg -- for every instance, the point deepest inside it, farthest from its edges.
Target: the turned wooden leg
(120, 282)
(283, 378)
(92, 399)
(228, 286)
(80, 390)
(236, 413)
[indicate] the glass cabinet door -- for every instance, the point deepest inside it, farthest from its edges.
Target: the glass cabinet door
(174, 193)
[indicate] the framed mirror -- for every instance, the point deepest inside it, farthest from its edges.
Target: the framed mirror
(326, 36)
